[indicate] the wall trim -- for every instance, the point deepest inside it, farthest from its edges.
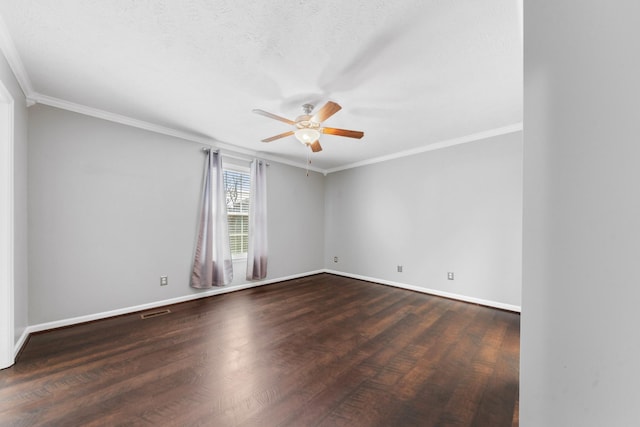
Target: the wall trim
(38, 98)
(434, 146)
(32, 97)
(20, 343)
(128, 310)
(463, 298)
(8, 47)
(223, 290)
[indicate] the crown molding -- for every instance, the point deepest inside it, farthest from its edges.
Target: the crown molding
(37, 98)
(434, 146)
(8, 48)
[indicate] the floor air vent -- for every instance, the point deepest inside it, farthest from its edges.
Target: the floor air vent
(155, 313)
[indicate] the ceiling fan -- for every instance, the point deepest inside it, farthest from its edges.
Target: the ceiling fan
(308, 128)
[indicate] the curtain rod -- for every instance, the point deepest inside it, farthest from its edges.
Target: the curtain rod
(231, 156)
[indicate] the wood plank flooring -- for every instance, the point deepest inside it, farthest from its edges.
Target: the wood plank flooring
(318, 351)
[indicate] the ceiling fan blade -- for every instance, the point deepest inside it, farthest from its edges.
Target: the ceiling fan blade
(273, 116)
(282, 135)
(315, 147)
(327, 110)
(343, 132)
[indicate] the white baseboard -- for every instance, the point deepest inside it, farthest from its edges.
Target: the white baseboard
(464, 298)
(223, 290)
(21, 342)
(127, 310)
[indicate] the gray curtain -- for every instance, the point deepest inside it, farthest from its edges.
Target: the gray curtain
(212, 265)
(257, 253)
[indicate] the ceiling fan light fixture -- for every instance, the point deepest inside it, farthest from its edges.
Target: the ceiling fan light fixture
(307, 136)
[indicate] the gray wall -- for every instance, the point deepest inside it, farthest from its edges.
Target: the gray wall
(296, 220)
(580, 317)
(113, 207)
(21, 289)
(457, 209)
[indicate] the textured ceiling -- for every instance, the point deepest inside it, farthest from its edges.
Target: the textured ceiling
(408, 73)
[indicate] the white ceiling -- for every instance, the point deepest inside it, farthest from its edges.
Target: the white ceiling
(409, 73)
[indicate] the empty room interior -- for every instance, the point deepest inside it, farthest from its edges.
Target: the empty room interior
(319, 213)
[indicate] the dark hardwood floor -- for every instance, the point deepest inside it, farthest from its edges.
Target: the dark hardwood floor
(319, 351)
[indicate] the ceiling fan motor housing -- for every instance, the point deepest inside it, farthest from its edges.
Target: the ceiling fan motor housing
(305, 122)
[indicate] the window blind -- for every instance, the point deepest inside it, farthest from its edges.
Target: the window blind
(237, 187)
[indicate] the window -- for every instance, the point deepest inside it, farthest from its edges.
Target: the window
(237, 186)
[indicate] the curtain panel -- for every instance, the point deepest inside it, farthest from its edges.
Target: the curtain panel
(257, 252)
(212, 264)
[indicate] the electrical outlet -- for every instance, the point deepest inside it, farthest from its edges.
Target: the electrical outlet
(450, 275)
(335, 259)
(164, 280)
(399, 269)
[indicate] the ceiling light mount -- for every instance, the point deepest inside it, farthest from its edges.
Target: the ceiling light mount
(307, 108)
